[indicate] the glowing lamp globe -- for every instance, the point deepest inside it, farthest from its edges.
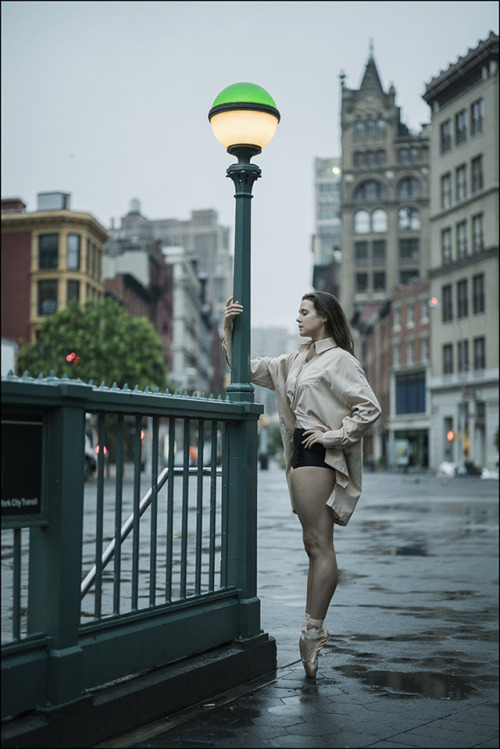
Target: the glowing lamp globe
(244, 114)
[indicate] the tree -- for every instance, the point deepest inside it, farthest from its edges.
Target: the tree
(98, 341)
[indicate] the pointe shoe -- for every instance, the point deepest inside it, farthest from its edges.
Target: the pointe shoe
(309, 650)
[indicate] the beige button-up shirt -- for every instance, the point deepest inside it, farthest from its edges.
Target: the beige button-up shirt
(321, 386)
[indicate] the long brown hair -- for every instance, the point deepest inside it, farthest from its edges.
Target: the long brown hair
(337, 326)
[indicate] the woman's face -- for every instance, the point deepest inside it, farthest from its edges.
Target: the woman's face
(310, 321)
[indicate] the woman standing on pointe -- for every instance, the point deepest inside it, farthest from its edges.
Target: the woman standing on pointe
(325, 406)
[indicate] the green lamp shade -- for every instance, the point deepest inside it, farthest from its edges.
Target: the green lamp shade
(244, 114)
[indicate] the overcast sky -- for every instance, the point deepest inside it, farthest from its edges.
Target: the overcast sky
(109, 101)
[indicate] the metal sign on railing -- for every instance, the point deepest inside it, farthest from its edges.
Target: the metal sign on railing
(21, 472)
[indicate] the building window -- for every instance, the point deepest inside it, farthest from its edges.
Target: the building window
(410, 315)
(461, 127)
(396, 354)
(446, 246)
(370, 190)
(408, 276)
(409, 187)
(409, 219)
(73, 292)
(361, 222)
(73, 252)
(446, 191)
(445, 136)
(47, 297)
(370, 158)
(397, 318)
(380, 127)
(409, 248)
(403, 156)
(48, 251)
(424, 311)
(478, 294)
(410, 352)
(379, 281)
(358, 159)
(410, 393)
(424, 349)
(380, 158)
(378, 250)
(462, 299)
(414, 155)
(461, 182)
(477, 174)
(462, 239)
(478, 233)
(379, 221)
(361, 252)
(463, 356)
(479, 353)
(370, 128)
(359, 130)
(361, 282)
(447, 303)
(476, 117)
(448, 359)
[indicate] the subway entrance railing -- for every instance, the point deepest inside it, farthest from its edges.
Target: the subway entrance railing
(149, 561)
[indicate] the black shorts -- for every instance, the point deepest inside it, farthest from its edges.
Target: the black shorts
(307, 456)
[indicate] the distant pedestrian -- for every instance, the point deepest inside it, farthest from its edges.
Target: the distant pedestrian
(325, 406)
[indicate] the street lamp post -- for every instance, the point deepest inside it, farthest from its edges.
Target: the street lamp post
(244, 120)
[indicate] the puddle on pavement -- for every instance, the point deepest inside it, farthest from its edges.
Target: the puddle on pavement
(410, 684)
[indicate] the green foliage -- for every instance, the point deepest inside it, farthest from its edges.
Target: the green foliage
(112, 345)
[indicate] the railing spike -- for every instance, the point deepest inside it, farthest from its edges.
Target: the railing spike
(126, 387)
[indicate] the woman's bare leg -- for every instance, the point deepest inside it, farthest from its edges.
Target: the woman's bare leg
(311, 488)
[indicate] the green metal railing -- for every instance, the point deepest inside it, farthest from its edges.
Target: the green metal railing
(151, 560)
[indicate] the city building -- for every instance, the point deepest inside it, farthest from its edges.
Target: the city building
(408, 426)
(50, 257)
(384, 195)
(463, 268)
(327, 234)
(203, 237)
(201, 264)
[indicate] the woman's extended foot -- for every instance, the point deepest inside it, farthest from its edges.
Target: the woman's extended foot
(309, 649)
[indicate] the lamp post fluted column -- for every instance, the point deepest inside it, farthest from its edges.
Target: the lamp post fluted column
(243, 174)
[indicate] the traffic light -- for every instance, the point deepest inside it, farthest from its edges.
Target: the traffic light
(450, 435)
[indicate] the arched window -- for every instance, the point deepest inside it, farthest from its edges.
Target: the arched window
(380, 127)
(359, 130)
(409, 187)
(370, 190)
(409, 219)
(379, 221)
(370, 128)
(361, 222)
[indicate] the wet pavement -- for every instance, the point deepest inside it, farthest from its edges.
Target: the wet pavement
(412, 659)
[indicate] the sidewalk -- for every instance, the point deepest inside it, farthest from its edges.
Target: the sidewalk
(413, 655)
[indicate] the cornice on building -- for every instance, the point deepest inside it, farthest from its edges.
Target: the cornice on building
(459, 72)
(23, 221)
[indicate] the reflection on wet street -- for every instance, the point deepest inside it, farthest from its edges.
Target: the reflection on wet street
(416, 608)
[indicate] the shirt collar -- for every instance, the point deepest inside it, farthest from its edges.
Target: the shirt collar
(324, 345)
